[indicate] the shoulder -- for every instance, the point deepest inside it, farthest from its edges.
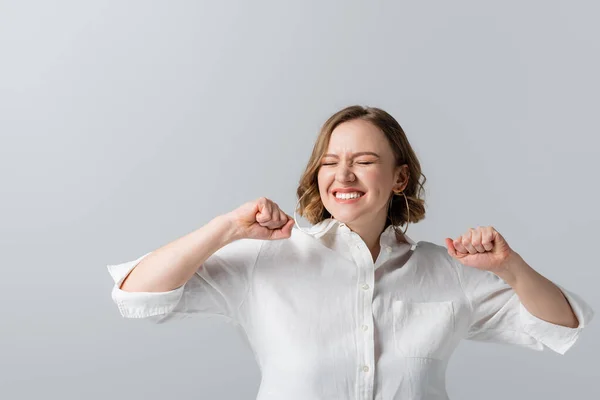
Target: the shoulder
(241, 251)
(440, 260)
(434, 251)
(298, 243)
(436, 258)
(438, 255)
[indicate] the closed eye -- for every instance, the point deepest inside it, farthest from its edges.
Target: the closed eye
(364, 163)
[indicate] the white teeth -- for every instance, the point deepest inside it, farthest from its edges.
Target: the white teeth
(346, 196)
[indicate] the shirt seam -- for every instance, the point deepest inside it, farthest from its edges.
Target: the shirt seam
(486, 330)
(250, 277)
(462, 288)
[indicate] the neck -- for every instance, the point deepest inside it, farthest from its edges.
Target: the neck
(370, 233)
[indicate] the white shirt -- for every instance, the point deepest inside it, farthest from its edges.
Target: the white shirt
(325, 322)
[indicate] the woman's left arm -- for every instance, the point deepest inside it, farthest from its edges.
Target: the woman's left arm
(538, 294)
(486, 249)
(509, 301)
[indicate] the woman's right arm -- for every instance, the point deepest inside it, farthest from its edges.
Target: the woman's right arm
(173, 264)
(206, 272)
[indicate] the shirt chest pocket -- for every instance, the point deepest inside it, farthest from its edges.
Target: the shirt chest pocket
(423, 329)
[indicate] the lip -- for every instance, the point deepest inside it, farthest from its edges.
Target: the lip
(347, 190)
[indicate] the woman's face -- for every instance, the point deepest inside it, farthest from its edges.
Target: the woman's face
(373, 175)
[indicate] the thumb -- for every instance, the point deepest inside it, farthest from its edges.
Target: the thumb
(450, 246)
(288, 227)
(285, 231)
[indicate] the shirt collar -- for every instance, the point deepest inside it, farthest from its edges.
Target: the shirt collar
(388, 237)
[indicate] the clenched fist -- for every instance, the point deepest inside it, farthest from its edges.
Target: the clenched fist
(261, 219)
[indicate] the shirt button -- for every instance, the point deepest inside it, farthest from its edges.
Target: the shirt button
(365, 286)
(388, 249)
(365, 327)
(365, 368)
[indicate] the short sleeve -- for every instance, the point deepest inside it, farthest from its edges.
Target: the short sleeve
(218, 287)
(497, 314)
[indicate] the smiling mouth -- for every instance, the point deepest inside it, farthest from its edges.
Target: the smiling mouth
(349, 198)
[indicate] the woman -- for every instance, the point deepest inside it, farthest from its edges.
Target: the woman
(352, 307)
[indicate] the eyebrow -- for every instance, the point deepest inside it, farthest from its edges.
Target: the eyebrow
(361, 153)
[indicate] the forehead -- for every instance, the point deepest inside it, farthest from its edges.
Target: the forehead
(355, 136)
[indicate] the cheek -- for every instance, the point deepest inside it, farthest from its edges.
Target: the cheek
(322, 183)
(373, 178)
(376, 181)
(325, 178)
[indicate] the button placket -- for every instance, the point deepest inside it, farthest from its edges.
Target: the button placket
(364, 335)
(367, 334)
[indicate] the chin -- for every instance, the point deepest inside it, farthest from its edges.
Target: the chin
(347, 217)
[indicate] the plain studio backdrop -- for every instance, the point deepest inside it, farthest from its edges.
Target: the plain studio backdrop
(127, 124)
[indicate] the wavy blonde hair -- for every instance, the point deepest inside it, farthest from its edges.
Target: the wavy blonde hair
(311, 207)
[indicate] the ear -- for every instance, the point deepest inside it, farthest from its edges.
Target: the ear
(402, 176)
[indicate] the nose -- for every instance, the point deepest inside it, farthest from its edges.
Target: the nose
(344, 174)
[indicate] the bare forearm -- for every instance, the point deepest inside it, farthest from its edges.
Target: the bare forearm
(172, 265)
(539, 295)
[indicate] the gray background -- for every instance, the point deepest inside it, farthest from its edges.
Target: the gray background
(125, 125)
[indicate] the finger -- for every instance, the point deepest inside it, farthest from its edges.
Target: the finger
(275, 218)
(276, 211)
(283, 219)
(265, 213)
(268, 211)
(487, 238)
(476, 240)
(466, 242)
(275, 221)
(459, 246)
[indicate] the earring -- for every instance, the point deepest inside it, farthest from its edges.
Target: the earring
(407, 211)
(296, 221)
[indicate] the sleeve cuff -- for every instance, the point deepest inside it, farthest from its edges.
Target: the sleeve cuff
(557, 337)
(140, 304)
